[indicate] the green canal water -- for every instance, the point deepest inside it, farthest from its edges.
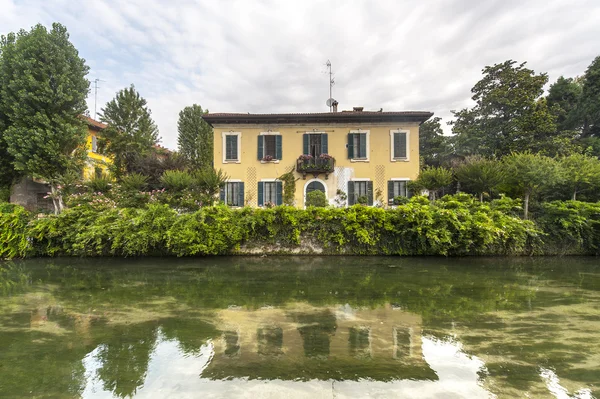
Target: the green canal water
(300, 327)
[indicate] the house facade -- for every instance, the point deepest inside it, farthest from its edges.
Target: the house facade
(96, 164)
(352, 156)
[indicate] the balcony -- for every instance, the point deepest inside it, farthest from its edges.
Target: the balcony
(307, 164)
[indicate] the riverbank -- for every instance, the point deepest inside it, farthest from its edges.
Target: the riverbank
(457, 225)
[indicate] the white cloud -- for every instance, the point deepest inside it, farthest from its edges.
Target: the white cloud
(269, 55)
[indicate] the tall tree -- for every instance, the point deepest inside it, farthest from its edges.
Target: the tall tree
(589, 107)
(195, 139)
(563, 97)
(43, 92)
(527, 174)
(507, 116)
(433, 145)
(581, 174)
(131, 131)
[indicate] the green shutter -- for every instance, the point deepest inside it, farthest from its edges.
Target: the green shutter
(279, 191)
(363, 145)
(228, 147)
(409, 193)
(305, 144)
(260, 147)
(350, 145)
(278, 147)
(241, 194)
(261, 199)
(370, 192)
(350, 193)
(390, 192)
(234, 147)
(324, 144)
(222, 193)
(399, 145)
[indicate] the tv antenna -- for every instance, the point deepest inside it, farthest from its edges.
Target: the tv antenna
(96, 94)
(330, 101)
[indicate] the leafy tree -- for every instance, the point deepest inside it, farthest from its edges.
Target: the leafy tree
(507, 116)
(131, 132)
(479, 175)
(589, 107)
(195, 140)
(581, 174)
(563, 97)
(153, 165)
(43, 88)
(527, 174)
(433, 145)
(210, 181)
(432, 179)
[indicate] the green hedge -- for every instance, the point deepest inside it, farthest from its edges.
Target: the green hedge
(452, 226)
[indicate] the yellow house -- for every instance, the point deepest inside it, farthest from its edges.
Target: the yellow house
(96, 163)
(367, 157)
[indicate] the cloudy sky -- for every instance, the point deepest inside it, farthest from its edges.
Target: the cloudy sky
(269, 55)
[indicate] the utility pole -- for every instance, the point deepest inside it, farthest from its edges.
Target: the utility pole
(331, 81)
(96, 94)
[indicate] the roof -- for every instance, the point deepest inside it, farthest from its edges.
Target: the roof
(94, 124)
(319, 117)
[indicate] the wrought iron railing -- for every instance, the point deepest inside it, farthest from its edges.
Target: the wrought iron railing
(307, 164)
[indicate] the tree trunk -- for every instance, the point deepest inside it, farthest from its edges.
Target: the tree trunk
(575, 195)
(57, 200)
(480, 197)
(526, 206)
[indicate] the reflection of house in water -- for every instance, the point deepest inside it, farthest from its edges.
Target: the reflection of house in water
(305, 342)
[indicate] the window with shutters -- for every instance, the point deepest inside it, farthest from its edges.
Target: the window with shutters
(270, 193)
(360, 192)
(399, 145)
(234, 194)
(397, 188)
(269, 147)
(314, 145)
(231, 147)
(358, 146)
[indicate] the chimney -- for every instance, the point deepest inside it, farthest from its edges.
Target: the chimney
(357, 109)
(334, 105)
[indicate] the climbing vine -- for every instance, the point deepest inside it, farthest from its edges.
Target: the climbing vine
(289, 186)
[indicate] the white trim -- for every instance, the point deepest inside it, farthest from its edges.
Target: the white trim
(360, 179)
(269, 134)
(400, 179)
(392, 159)
(273, 161)
(234, 181)
(239, 146)
(368, 149)
(315, 132)
(269, 180)
(313, 180)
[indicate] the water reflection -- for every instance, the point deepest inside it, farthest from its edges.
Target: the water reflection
(320, 327)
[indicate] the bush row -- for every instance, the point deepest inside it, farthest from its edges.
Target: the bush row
(452, 226)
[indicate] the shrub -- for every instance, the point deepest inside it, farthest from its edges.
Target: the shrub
(134, 182)
(316, 198)
(99, 184)
(177, 180)
(13, 231)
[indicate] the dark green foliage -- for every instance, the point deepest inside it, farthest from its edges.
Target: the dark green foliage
(479, 176)
(589, 105)
(434, 147)
(433, 179)
(99, 184)
(317, 198)
(454, 225)
(131, 132)
(154, 166)
(209, 182)
(177, 181)
(134, 182)
(195, 139)
(13, 231)
(563, 98)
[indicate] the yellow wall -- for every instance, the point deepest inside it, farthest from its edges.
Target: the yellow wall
(94, 159)
(379, 168)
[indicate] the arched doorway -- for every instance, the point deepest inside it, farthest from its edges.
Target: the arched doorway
(312, 185)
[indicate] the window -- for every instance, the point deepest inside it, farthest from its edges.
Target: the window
(315, 144)
(270, 192)
(233, 194)
(269, 147)
(399, 145)
(358, 146)
(231, 147)
(397, 188)
(360, 192)
(94, 144)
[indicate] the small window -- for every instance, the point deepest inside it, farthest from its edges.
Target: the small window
(269, 147)
(357, 146)
(399, 145)
(233, 194)
(231, 147)
(94, 144)
(270, 193)
(360, 192)
(397, 188)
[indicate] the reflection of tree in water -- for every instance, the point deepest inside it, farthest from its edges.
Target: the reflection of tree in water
(190, 333)
(316, 332)
(125, 357)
